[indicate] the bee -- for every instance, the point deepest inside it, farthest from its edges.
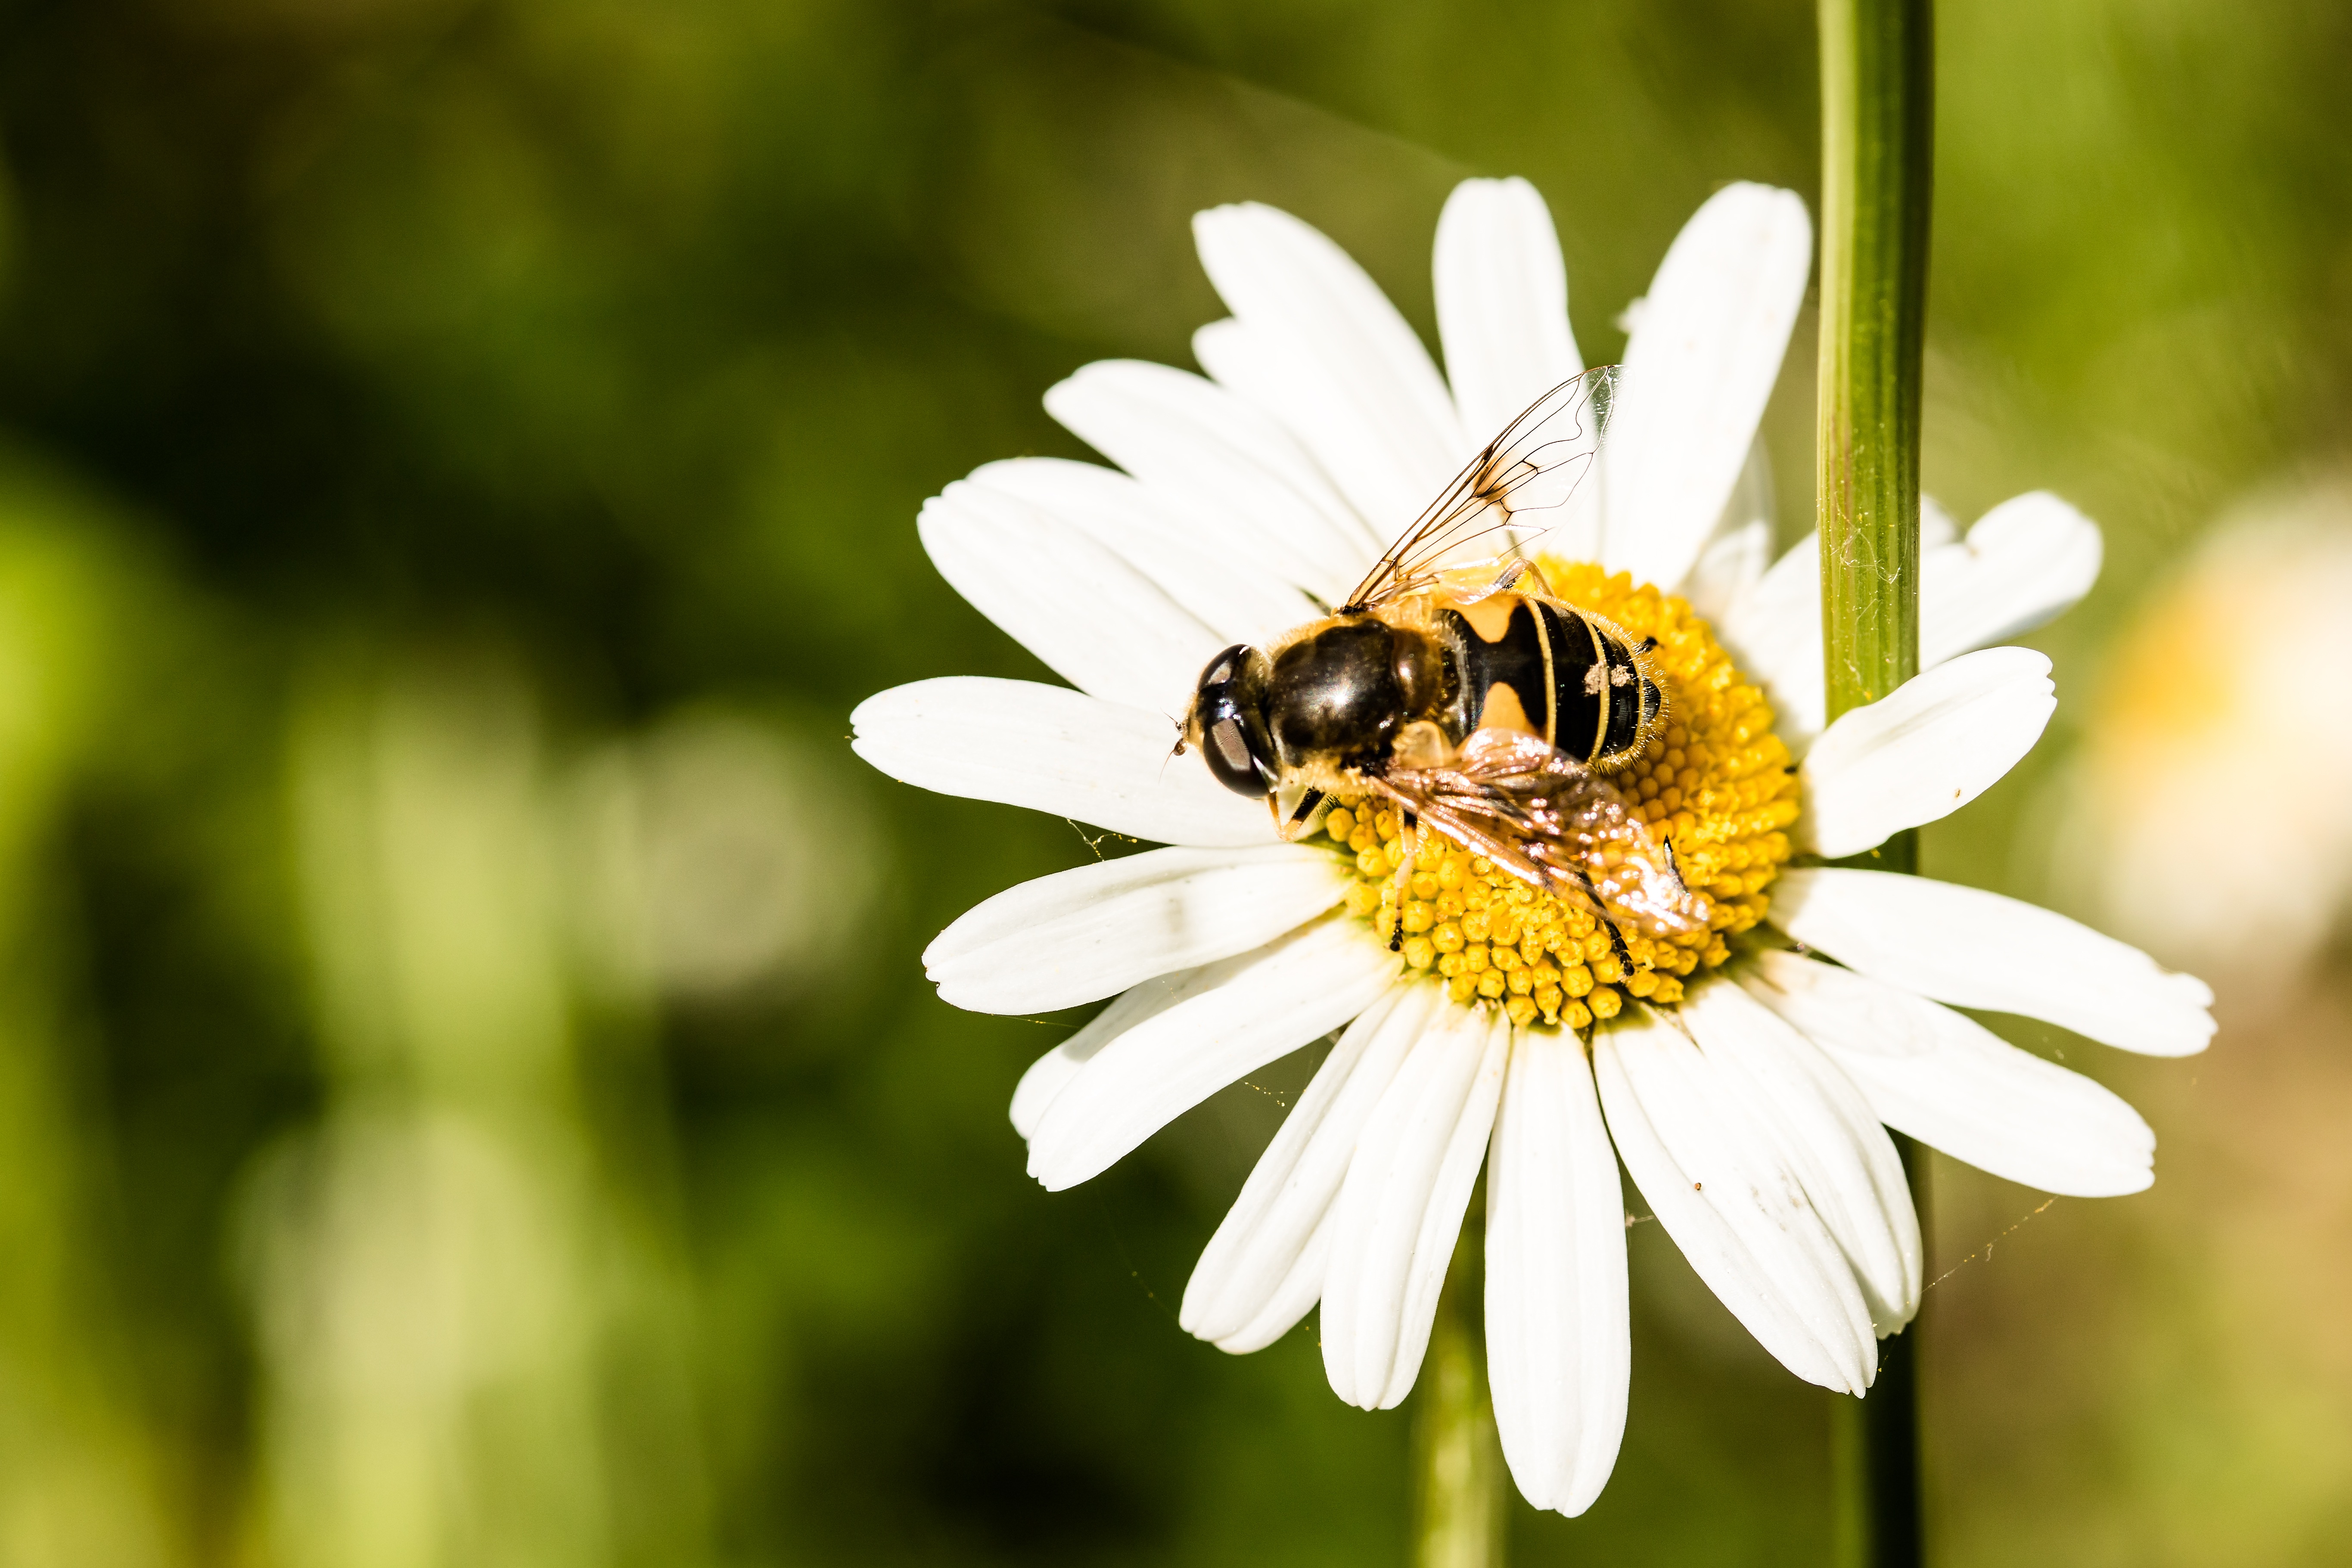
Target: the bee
(1458, 690)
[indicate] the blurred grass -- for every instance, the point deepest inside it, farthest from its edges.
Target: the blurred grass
(483, 395)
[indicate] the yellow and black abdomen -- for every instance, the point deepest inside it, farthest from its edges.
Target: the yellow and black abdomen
(1574, 678)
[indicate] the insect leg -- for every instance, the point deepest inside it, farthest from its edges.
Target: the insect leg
(1406, 837)
(1616, 937)
(1674, 869)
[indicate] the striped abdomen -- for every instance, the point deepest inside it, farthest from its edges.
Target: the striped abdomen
(1573, 679)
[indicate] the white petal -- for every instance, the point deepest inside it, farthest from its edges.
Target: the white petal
(1253, 367)
(1975, 949)
(1048, 1076)
(1247, 1266)
(1951, 1083)
(1559, 1345)
(1194, 441)
(1936, 742)
(1706, 349)
(1773, 632)
(1730, 568)
(1827, 1135)
(2039, 556)
(1293, 1298)
(1730, 1202)
(1502, 303)
(2025, 561)
(1083, 934)
(1096, 621)
(1355, 386)
(1739, 550)
(1058, 752)
(1252, 1009)
(1400, 1211)
(1936, 528)
(1198, 556)
(1052, 1072)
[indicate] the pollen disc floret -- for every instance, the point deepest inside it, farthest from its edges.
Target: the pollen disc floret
(1714, 784)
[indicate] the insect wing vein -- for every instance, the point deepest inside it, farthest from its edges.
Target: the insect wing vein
(1535, 465)
(1550, 821)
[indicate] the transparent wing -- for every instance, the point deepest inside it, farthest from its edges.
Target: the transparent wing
(1514, 491)
(1553, 823)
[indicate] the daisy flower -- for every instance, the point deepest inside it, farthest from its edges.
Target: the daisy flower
(1746, 1074)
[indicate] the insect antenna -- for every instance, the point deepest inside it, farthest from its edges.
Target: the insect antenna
(1178, 750)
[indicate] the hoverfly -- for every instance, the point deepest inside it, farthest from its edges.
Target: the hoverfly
(1458, 690)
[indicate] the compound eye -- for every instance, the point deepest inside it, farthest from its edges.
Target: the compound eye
(1233, 733)
(1225, 745)
(1225, 668)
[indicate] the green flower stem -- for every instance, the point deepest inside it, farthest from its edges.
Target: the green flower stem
(1456, 1457)
(1875, 155)
(1875, 1442)
(1877, 147)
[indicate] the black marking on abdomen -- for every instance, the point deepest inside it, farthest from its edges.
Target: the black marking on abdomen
(1516, 660)
(1624, 698)
(1581, 689)
(1578, 709)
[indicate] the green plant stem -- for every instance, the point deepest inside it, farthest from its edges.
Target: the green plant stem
(1877, 145)
(1876, 127)
(1875, 1442)
(1457, 1460)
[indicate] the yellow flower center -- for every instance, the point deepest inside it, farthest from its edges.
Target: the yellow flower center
(1716, 783)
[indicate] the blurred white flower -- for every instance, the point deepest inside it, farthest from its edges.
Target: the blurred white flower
(1749, 1106)
(721, 858)
(2247, 647)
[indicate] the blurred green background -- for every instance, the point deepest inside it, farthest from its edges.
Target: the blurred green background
(468, 1094)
